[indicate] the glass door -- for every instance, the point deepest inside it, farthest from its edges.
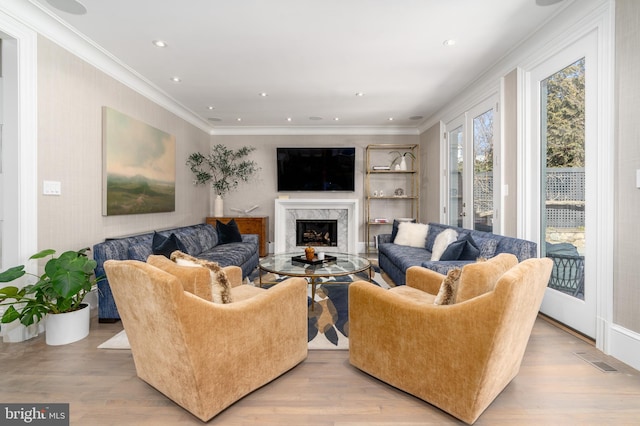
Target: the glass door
(456, 208)
(564, 133)
(470, 167)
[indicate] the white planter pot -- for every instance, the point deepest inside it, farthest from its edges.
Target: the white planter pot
(68, 327)
(218, 207)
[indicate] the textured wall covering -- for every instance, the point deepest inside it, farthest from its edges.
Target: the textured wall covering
(626, 289)
(71, 94)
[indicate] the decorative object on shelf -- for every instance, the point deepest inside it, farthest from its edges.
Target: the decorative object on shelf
(381, 193)
(309, 252)
(381, 168)
(224, 168)
(375, 193)
(402, 157)
(245, 212)
(60, 290)
(399, 192)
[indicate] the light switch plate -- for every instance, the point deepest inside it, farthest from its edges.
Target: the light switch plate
(50, 187)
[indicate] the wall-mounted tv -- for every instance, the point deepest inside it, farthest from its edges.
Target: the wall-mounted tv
(316, 169)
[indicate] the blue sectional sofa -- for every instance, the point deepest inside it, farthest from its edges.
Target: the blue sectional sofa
(199, 240)
(395, 259)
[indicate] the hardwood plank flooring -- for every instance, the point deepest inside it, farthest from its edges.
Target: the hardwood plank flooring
(554, 387)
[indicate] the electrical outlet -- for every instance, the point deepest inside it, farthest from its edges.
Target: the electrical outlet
(50, 187)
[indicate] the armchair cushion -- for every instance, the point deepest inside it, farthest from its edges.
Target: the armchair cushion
(480, 277)
(218, 281)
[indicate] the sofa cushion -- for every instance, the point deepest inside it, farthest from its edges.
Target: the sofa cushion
(140, 251)
(228, 233)
(449, 288)
(434, 230)
(220, 285)
(442, 241)
(166, 245)
(411, 234)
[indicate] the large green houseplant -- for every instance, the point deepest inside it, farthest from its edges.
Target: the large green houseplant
(61, 288)
(225, 168)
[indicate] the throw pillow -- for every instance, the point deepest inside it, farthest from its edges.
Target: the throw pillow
(487, 247)
(448, 288)
(454, 250)
(166, 245)
(394, 228)
(228, 233)
(441, 243)
(411, 234)
(470, 250)
(220, 285)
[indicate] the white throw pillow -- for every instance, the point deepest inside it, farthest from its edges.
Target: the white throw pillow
(411, 234)
(442, 241)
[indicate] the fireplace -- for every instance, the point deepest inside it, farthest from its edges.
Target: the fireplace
(344, 211)
(316, 232)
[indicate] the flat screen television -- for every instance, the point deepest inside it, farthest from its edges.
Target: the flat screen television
(316, 169)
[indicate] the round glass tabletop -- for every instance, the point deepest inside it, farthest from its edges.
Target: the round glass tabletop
(296, 265)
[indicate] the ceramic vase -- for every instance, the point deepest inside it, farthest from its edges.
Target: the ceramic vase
(67, 327)
(403, 163)
(218, 207)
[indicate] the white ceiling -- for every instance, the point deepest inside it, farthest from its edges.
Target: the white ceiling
(311, 57)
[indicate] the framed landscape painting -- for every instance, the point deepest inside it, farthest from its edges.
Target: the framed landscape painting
(139, 166)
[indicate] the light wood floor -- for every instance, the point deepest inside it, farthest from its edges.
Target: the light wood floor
(554, 387)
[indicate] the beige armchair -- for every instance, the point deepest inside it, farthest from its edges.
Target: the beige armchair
(205, 356)
(457, 357)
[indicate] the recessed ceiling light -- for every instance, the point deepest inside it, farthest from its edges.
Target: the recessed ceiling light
(449, 42)
(70, 6)
(159, 43)
(336, 118)
(263, 94)
(176, 79)
(289, 118)
(359, 94)
(238, 119)
(210, 107)
(390, 118)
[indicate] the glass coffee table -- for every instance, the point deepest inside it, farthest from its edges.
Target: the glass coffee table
(334, 265)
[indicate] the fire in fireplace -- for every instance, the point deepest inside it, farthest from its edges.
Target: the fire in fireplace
(316, 232)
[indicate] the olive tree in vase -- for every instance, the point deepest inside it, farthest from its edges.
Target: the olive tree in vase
(225, 168)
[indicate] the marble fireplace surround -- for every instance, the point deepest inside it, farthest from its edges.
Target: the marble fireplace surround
(287, 211)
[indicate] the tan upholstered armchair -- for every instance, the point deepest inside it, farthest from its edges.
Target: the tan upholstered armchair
(202, 355)
(457, 357)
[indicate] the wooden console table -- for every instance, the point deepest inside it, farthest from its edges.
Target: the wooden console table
(250, 225)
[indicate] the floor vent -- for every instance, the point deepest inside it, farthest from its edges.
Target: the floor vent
(596, 362)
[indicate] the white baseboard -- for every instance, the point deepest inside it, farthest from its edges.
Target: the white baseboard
(624, 345)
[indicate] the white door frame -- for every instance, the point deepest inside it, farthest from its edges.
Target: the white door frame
(20, 143)
(602, 201)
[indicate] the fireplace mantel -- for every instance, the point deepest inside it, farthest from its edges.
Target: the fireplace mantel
(345, 210)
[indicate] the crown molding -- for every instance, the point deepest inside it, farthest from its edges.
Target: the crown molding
(317, 130)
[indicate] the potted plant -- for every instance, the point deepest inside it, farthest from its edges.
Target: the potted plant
(224, 168)
(57, 295)
(402, 157)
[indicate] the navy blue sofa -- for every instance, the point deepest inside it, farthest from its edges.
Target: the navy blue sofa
(200, 241)
(395, 259)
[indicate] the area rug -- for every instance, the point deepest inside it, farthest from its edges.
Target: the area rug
(328, 326)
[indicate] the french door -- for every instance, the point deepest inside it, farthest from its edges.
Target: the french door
(472, 140)
(563, 105)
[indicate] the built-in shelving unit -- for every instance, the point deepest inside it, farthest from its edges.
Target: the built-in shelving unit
(390, 192)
